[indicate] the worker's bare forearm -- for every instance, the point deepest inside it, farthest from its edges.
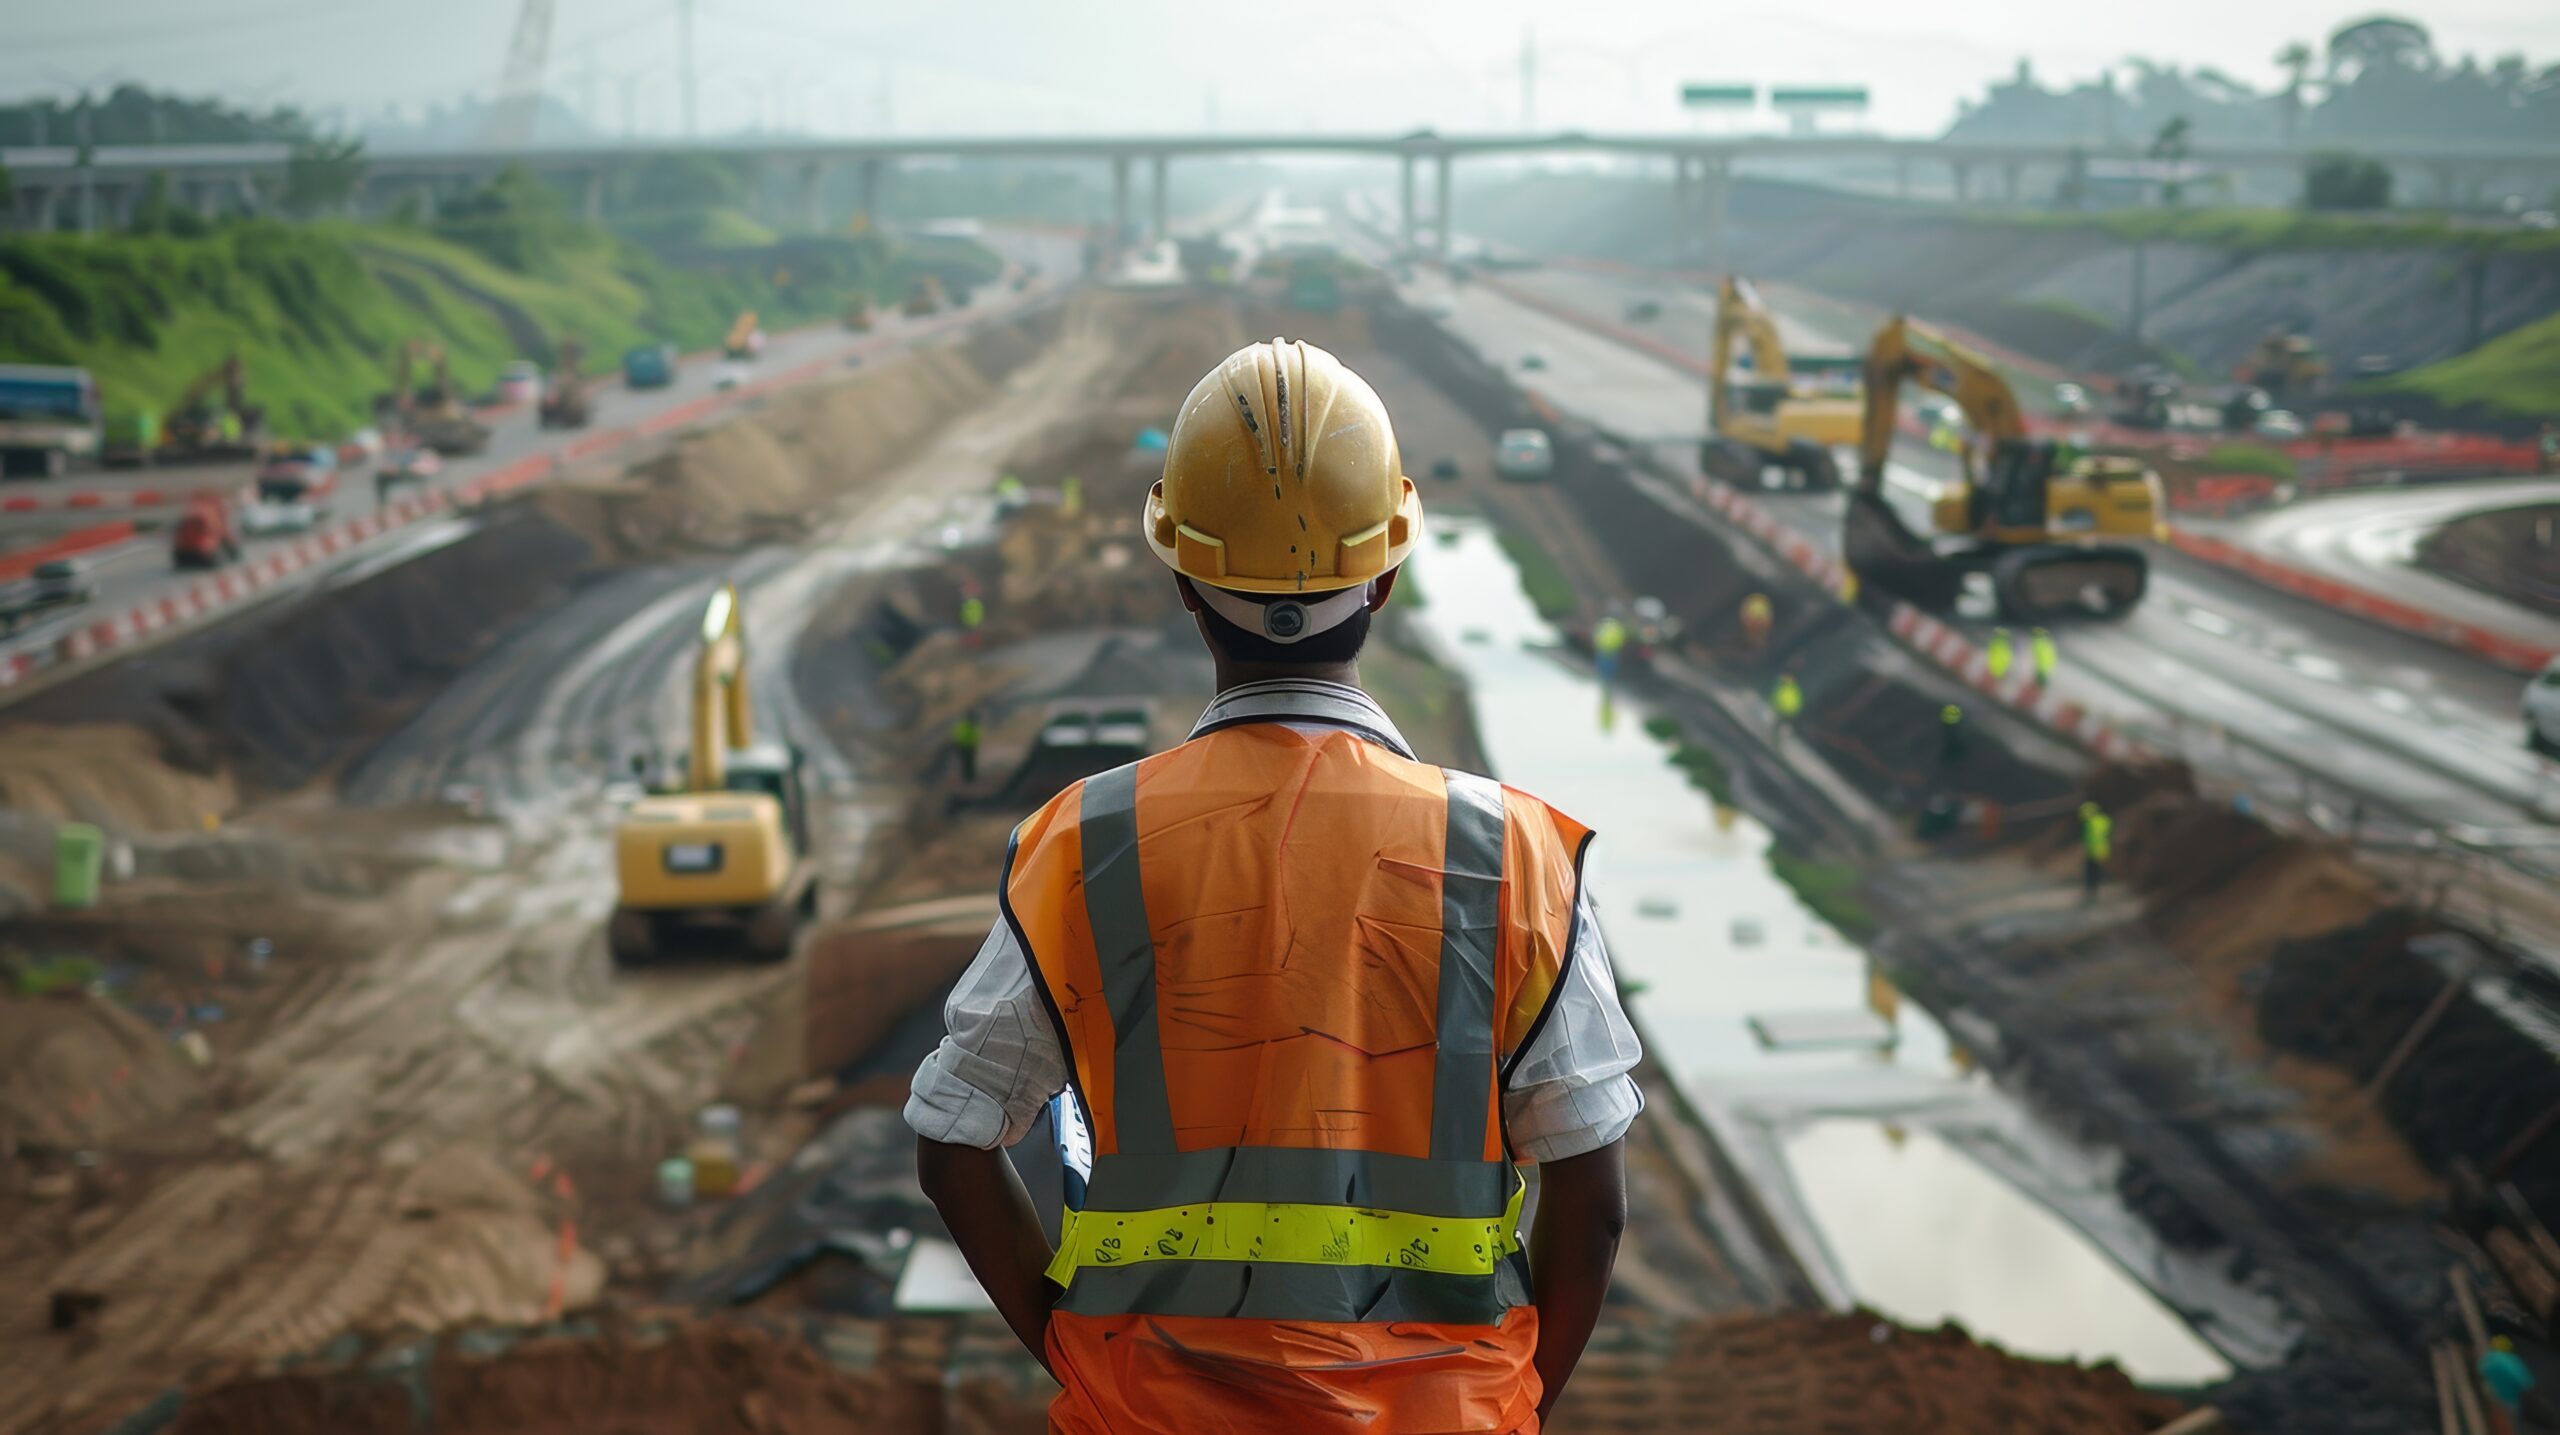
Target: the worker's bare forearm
(1582, 1211)
(990, 1218)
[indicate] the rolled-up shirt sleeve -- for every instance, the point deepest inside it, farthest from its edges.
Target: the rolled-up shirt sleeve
(1001, 1061)
(1571, 1092)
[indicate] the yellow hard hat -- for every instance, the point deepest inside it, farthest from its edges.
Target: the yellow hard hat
(1282, 476)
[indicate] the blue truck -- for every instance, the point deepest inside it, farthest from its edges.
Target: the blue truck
(649, 366)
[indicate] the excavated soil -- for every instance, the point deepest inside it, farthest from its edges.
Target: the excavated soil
(2513, 554)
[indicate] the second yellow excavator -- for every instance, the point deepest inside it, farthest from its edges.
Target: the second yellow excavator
(1767, 419)
(2031, 515)
(726, 845)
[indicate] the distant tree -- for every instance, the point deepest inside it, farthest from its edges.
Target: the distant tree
(2295, 60)
(2170, 147)
(2346, 181)
(151, 212)
(322, 175)
(2383, 42)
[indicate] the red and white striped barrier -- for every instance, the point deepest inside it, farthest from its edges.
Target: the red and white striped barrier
(235, 585)
(1941, 644)
(2504, 649)
(111, 500)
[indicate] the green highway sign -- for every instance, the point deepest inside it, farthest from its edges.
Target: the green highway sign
(1701, 96)
(1843, 97)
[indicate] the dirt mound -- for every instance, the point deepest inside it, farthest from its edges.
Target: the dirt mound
(1848, 1374)
(722, 1377)
(246, 1260)
(2474, 1088)
(83, 1070)
(2513, 554)
(770, 476)
(111, 773)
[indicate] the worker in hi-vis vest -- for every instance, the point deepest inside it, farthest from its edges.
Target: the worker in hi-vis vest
(1312, 1002)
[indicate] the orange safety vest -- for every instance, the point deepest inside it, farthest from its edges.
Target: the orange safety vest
(1291, 972)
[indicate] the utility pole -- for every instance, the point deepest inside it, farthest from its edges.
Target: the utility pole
(1528, 79)
(684, 62)
(88, 172)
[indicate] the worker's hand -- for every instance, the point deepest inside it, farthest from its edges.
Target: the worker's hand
(990, 1218)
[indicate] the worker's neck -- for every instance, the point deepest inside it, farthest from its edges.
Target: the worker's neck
(1233, 673)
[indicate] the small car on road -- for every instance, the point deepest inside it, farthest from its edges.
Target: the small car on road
(1526, 454)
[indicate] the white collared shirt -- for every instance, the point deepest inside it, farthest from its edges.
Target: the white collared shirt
(986, 1083)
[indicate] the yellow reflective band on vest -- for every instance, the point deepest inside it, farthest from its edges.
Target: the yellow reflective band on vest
(1288, 1233)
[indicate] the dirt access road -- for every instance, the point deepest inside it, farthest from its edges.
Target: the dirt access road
(481, 1014)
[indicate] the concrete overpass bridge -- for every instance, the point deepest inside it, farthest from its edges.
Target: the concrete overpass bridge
(103, 187)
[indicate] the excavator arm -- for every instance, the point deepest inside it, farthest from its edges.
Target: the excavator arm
(721, 716)
(1908, 352)
(1740, 315)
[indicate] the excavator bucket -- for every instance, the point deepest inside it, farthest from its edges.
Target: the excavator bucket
(1891, 560)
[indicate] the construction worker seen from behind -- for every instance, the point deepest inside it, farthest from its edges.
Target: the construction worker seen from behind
(1608, 638)
(965, 737)
(1756, 617)
(2040, 648)
(1785, 701)
(1951, 734)
(1999, 655)
(2097, 846)
(1313, 1000)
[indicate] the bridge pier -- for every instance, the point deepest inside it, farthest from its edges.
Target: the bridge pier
(2009, 181)
(1963, 170)
(867, 190)
(1163, 229)
(1119, 207)
(813, 196)
(1441, 216)
(1716, 190)
(1406, 163)
(1684, 213)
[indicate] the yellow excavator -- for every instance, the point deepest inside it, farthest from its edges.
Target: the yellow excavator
(1767, 419)
(745, 339)
(2046, 525)
(726, 845)
(204, 429)
(431, 414)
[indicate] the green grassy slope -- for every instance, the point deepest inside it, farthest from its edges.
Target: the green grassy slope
(318, 311)
(2516, 375)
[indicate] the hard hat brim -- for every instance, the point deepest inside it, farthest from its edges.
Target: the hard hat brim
(1169, 552)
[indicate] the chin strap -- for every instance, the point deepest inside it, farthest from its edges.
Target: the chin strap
(1285, 620)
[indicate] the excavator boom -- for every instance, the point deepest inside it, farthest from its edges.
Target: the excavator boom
(721, 718)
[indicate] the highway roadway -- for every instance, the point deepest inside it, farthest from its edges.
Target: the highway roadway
(139, 573)
(2213, 666)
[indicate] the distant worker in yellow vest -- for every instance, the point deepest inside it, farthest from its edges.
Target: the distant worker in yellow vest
(1950, 735)
(1607, 640)
(2040, 648)
(1008, 494)
(1786, 700)
(1309, 1001)
(973, 614)
(1999, 655)
(1756, 618)
(2097, 847)
(965, 737)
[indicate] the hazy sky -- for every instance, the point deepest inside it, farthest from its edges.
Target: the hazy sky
(984, 65)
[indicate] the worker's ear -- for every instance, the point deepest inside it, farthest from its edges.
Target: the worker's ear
(1190, 596)
(1380, 587)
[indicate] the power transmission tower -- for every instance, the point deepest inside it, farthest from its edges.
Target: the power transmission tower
(684, 61)
(520, 88)
(1528, 78)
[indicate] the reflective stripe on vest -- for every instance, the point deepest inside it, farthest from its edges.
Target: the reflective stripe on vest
(1297, 1232)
